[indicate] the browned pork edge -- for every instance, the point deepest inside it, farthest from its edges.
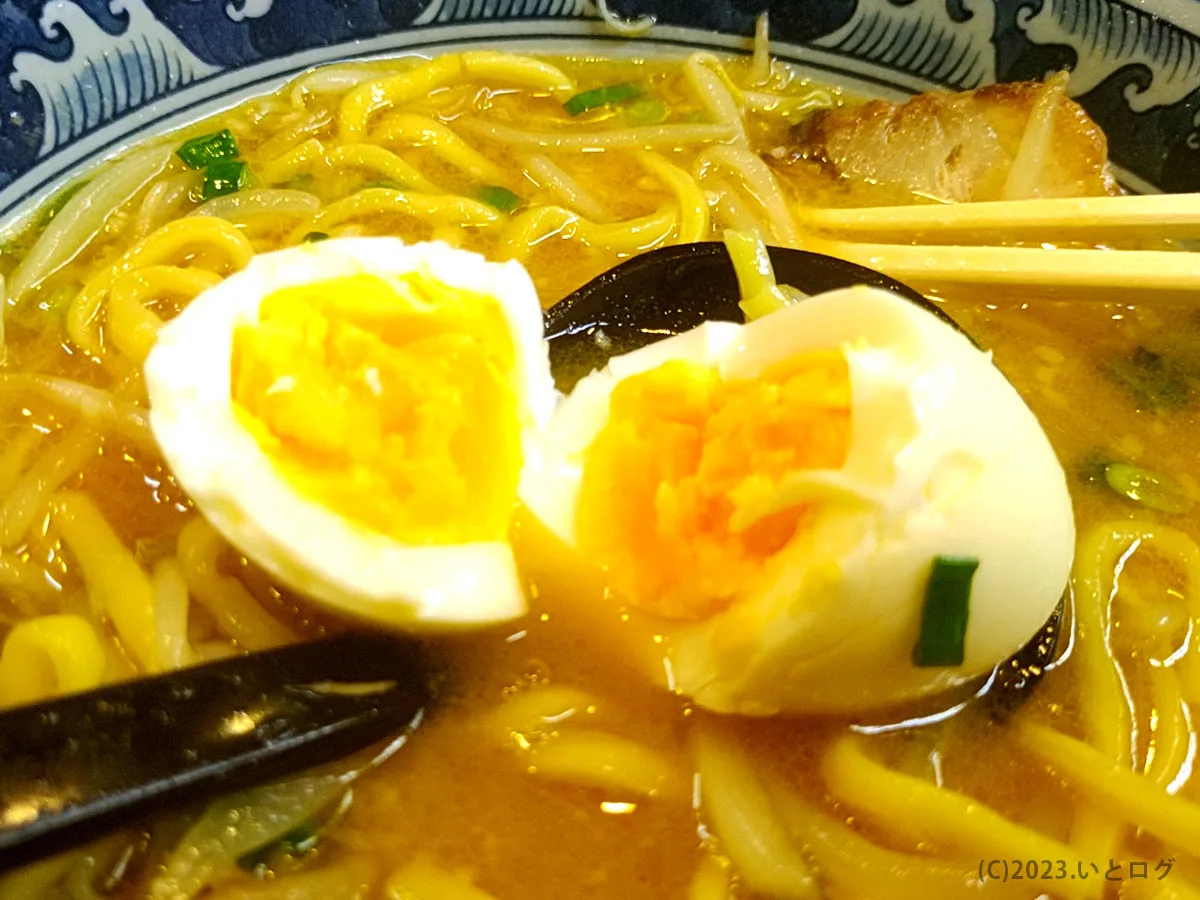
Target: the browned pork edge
(952, 146)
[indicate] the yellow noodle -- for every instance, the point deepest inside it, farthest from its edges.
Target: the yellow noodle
(415, 130)
(31, 495)
(1171, 735)
(119, 665)
(1106, 714)
(530, 228)
(449, 235)
(288, 165)
(695, 223)
(16, 457)
(422, 880)
(737, 806)
(134, 289)
(383, 161)
(523, 71)
(851, 863)
(115, 581)
(1170, 888)
(236, 611)
(171, 614)
(600, 760)
(936, 815)
(93, 405)
(18, 573)
(172, 242)
(1105, 704)
(540, 709)
(640, 137)
(50, 655)
(1126, 794)
(760, 183)
(366, 99)
(432, 209)
(1184, 553)
(3, 316)
(711, 881)
(632, 235)
(132, 327)
(207, 651)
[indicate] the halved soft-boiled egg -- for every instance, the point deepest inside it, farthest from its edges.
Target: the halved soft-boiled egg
(353, 415)
(837, 507)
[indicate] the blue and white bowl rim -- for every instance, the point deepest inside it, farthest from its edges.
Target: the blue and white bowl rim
(87, 78)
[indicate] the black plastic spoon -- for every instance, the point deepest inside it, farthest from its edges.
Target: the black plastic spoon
(74, 768)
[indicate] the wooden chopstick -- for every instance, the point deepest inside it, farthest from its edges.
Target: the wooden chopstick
(1114, 272)
(1090, 220)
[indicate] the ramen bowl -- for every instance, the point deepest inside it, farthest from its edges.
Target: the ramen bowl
(734, 616)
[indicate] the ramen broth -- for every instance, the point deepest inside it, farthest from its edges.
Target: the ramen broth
(465, 794)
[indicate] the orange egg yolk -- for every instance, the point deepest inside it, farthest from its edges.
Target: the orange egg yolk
(681, 451)
(388, 400)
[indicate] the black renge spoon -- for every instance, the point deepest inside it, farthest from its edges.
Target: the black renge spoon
(74, 768)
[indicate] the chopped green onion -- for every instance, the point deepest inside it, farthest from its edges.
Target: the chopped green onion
(1152, 380)
(296, 842)
(200, 152)
(645, 111)
(605, 96)
(226, 176)
(300, 839)
(500, 197)
(1091, 468)
(314, 237)
(947, 608)
(1148, 488)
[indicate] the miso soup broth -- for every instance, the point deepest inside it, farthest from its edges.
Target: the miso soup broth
(554, 760)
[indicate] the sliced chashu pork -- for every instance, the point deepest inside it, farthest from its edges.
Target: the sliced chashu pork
(956, 146)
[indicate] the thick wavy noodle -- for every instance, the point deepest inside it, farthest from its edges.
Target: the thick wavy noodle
(553, 766)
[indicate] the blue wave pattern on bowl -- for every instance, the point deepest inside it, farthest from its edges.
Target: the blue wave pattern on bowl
(69, 67)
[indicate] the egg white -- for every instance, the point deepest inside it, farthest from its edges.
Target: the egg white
(945, 459)
(309, 547)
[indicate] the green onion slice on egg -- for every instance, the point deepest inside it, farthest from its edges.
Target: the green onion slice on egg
(947, 608)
